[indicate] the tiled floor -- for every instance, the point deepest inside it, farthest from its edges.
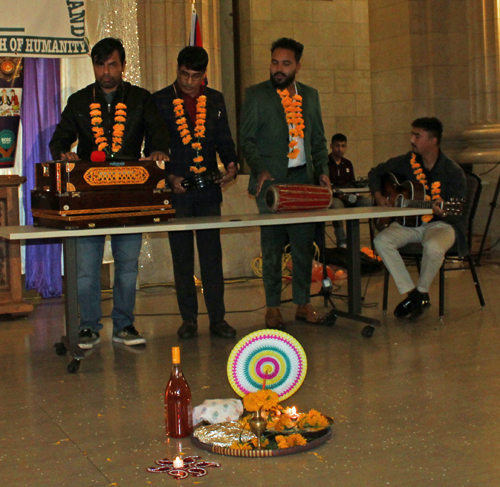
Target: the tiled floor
(417, 404)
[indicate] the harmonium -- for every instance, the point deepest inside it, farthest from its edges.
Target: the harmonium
(84, 194)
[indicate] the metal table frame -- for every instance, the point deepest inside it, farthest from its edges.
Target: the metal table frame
(352, 216)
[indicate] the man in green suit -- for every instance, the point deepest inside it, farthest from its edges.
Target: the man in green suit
(284, 149)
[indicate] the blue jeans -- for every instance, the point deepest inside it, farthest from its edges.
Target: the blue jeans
(89, 253)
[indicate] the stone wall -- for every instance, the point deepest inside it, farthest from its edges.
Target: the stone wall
(336, 60)
(418, 68)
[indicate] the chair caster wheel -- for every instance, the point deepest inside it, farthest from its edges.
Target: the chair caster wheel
(368, 331)
(60, 349)
(73, 366)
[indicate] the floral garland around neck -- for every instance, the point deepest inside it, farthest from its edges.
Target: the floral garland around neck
(293, 113)
(435, 187)
(199, 129)
(118, 128)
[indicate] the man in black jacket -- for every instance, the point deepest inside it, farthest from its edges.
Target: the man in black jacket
(443, 180)
(196, 118)
(112, 116)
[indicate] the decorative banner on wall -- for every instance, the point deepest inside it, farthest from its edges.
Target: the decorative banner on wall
(11, 90)
(43, 28)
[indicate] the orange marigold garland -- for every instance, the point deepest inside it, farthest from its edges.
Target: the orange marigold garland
(435, 187)
(293, 113)
(199, 129)
(118, 128)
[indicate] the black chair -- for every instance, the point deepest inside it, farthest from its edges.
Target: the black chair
(414, 251)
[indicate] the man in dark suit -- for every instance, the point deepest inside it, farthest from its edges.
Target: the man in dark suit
(284, 149)
(196, 118)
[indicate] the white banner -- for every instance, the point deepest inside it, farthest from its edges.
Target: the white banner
(43, 28)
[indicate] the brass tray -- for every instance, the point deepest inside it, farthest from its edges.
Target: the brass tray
(321, 437)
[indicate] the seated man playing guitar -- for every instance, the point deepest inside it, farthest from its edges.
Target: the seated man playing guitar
(442, 180)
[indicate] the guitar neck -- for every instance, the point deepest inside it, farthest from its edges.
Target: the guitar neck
(419, 204)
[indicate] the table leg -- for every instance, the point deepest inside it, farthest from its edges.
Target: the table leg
(354, 281)
(70, 340)
(353, 267)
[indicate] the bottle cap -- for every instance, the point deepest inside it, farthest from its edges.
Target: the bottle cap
(176, 355)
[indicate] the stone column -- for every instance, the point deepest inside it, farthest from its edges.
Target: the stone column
(483, 135)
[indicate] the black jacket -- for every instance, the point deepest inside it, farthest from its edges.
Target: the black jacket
(217, 140)
(142, 118)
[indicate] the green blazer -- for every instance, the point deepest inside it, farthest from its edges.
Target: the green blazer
(264, 136)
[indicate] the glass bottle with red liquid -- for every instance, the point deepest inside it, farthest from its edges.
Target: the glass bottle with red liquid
(178, 409)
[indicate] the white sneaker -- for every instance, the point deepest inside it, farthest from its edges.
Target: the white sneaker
(128, 336)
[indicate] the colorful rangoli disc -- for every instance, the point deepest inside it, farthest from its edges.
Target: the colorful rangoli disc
(270, 355)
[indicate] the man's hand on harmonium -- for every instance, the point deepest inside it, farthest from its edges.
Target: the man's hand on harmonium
(69, 156)
(156, 156)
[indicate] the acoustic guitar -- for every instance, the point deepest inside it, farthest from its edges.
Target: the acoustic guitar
(411, 194)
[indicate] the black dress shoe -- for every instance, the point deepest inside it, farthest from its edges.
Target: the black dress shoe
(188, 329)
(421, 307)
(405, 308)
(222, 330)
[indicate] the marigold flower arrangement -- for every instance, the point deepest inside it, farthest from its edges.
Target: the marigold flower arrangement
(435, 187)
(290, 440)
(263, 399)
(199, 129)
(278, 420)
(101, 140)
(282, 422)
(249, 445)
(293, 113)
(313, 419)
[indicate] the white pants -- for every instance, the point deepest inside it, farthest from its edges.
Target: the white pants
(435, 237)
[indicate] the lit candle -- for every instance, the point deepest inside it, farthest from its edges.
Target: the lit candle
(178, 462)
(292, 412)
